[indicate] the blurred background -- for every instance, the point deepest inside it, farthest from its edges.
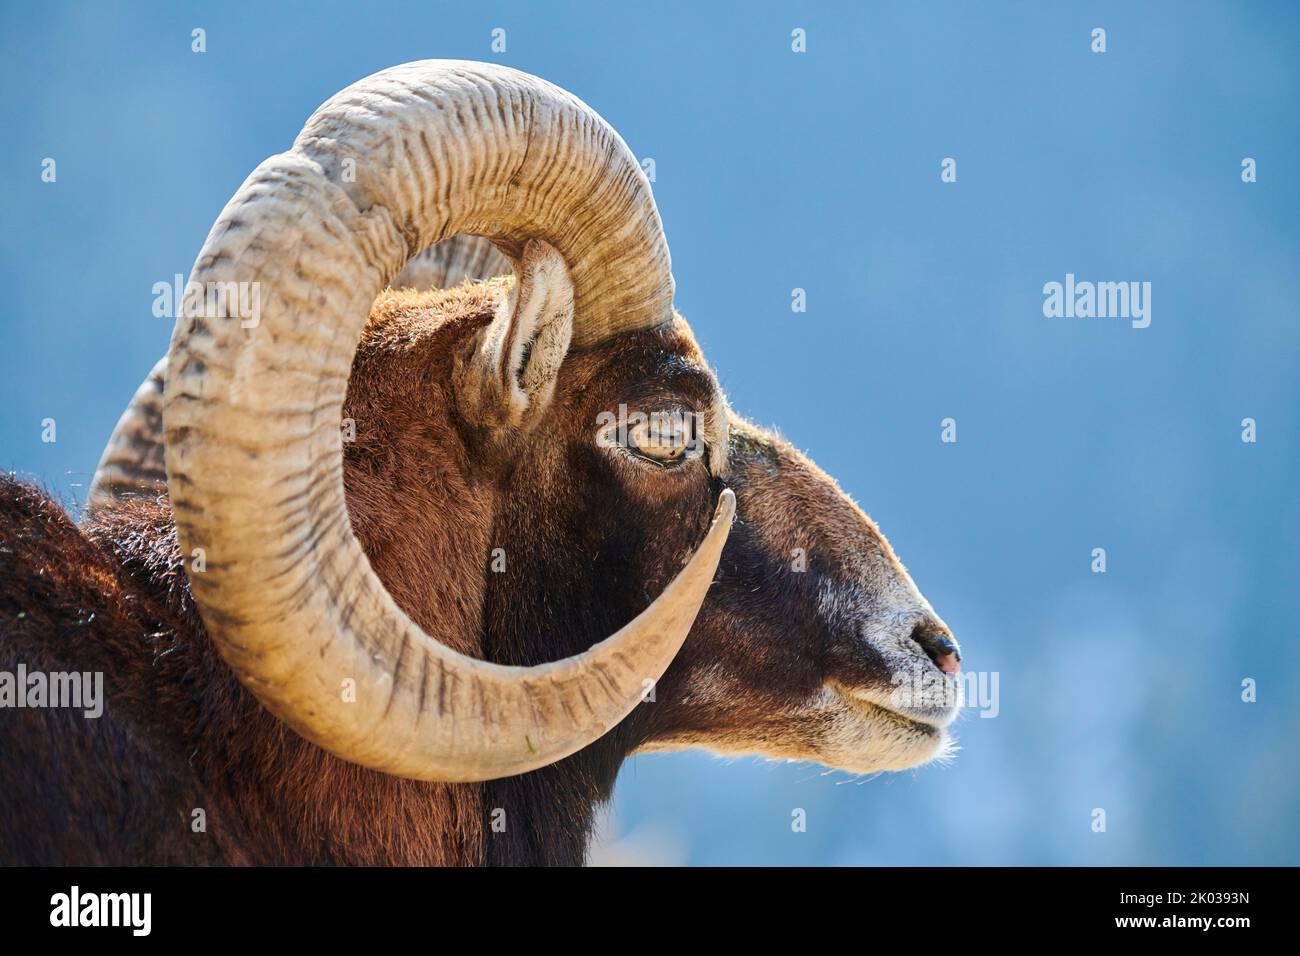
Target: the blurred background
(777, 170)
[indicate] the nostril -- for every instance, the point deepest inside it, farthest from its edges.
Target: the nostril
(938, 646)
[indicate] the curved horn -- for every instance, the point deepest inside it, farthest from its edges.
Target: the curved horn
(451, 262)
(252, 410)
(132, 462)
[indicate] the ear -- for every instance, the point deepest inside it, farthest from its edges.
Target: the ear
(509, 380)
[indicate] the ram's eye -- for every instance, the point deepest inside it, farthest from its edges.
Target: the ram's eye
(666, 440)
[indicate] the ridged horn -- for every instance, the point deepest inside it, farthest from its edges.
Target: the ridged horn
(451, 262)
(132, 462)
(252, 409)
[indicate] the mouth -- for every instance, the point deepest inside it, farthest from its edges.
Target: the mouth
(927, 713)
(923, 689)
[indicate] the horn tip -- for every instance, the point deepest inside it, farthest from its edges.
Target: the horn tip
(726, 509)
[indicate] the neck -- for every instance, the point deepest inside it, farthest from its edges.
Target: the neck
(546, 818)
(272, 797)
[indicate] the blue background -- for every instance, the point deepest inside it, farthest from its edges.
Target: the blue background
(1119, 691)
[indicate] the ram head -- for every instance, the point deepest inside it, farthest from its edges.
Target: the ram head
(461, 534)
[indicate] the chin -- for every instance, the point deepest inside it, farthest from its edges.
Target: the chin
(866, 737)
